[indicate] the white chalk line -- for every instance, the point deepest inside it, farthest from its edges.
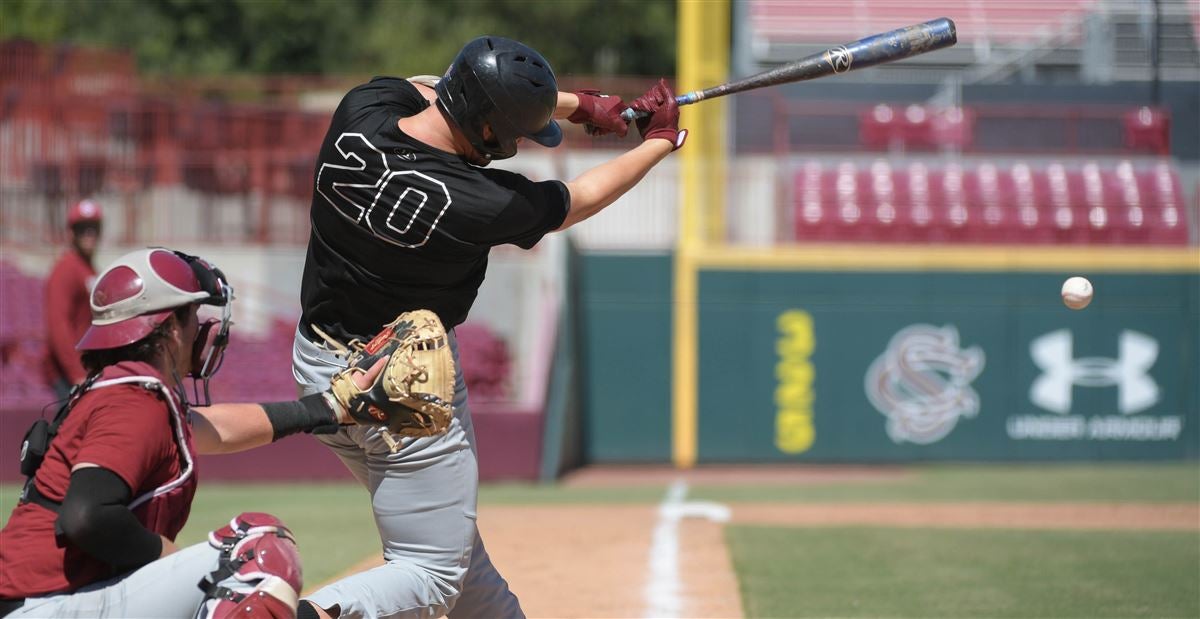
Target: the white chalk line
(664, 588)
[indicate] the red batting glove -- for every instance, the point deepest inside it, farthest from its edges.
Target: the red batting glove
(663, 121)
(599, 114)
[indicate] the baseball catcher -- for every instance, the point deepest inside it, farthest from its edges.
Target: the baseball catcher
(111, 479)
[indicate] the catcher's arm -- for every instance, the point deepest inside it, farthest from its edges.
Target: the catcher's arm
(229, 428)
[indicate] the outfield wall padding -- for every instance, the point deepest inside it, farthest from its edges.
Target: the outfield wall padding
(895, 366)
(626, 347)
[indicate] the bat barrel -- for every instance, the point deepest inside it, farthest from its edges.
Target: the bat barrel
(893, 45)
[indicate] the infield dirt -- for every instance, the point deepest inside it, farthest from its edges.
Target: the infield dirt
(593, 560)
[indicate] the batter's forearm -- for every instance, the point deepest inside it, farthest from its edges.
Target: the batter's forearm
(602, 185)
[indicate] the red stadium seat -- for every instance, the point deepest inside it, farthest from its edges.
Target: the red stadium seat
(1088, 202)
(961, 217)
(882, 206)
(1067, 219)
(1166, 216)
(852, 187)
(993, 192)
(1095, 210)
(811, 213)
(917, 128)
(1147, 130)
(919, 215)
(952, 127)
(1033, 225)
(1129, 205)
(879, 128)
(486, 361)
(847, 203)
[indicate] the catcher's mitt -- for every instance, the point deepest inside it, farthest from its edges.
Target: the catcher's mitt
(414, 393)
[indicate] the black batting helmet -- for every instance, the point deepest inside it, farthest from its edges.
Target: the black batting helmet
(506, 85)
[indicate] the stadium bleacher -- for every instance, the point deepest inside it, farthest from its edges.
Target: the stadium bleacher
(257, 367)
(903, 172)
(487, 363)
(826, 21)
(21, 345)
(1020, 202)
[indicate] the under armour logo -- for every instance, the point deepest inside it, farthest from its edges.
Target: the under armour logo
(405, 154)
(839, 58)
(1136, 390)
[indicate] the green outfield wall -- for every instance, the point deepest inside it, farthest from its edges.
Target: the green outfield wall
(880, 366)
(625, 316)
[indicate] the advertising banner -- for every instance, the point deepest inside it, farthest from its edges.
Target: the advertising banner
(898, 366)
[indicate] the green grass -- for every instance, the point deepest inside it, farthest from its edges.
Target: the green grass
(1170, 482)
(1174, 482)
(927, 573)
(332, 523)
(834, 572)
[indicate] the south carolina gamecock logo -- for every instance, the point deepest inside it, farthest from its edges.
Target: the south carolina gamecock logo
(922, 383)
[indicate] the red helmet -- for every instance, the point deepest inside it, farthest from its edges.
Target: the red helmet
(136, 293)
(84, 211)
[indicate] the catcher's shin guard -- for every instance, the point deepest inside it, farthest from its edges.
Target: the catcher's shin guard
(258, 575)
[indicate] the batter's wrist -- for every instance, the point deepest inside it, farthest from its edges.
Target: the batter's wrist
(568, 104)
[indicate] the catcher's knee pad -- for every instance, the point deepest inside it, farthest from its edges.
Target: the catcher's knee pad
(258, 574)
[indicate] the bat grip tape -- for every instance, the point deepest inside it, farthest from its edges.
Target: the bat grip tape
(631, 114)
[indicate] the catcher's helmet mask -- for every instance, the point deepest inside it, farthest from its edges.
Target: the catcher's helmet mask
(504, 85)
(140, 290)
(208, 350)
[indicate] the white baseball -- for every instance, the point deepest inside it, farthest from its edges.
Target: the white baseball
(1077, 293)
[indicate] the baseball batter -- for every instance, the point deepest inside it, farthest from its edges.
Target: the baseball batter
(404, 214)
(93, 534)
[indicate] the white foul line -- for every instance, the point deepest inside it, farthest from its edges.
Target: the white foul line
(663, 587)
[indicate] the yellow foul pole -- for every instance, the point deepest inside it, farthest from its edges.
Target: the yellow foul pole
(703, 61)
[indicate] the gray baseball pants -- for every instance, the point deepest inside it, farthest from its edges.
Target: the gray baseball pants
(163, 588)
(424, 499)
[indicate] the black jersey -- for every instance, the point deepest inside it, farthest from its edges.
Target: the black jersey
(399, 225)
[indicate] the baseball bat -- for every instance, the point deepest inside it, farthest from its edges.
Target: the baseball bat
(866, 52)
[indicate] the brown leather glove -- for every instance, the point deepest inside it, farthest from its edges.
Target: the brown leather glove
(663, 119)
(599, 114)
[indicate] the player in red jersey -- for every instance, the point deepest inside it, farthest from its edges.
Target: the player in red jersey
(67, 311)
(93, 533)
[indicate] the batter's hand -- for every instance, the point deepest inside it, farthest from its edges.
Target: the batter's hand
(663, 119)
(599, 114)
